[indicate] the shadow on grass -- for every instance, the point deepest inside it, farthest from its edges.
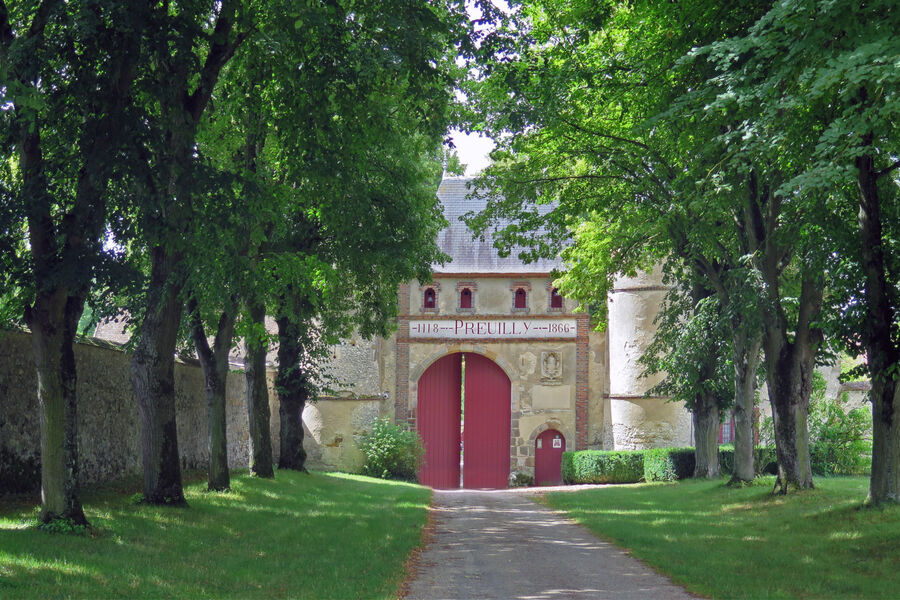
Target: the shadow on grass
(747, 543)
(313, 536)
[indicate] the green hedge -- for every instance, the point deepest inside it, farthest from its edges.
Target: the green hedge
(668, 464)
(765, 459)
(627, 466)
(655, 464)
(602, 466)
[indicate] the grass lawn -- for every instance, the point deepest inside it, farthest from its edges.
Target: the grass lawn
(745, 543)
(298, 536)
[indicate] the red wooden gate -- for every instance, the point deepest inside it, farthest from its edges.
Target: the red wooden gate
(487, 421)
(548, 449)
(438, 416)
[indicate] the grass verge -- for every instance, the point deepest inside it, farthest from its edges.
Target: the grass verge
(299, 536)
(745, 543)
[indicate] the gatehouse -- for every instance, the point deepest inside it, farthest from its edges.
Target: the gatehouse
(500, 374)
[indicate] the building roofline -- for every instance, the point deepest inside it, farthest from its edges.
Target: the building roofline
(491, 274)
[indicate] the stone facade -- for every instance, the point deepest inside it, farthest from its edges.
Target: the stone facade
(561, 400)
(109, 426)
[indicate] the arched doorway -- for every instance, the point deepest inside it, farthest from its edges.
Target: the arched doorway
(548, 450)
(483, 406)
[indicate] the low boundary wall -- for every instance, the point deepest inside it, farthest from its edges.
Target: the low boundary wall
(109, 425)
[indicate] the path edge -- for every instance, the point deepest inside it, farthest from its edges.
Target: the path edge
(413, 561)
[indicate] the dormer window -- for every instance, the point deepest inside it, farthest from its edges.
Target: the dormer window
(556, 301)
(520, 291)
(465, 291)
(430, 298)
(521, 298)
(465, 298)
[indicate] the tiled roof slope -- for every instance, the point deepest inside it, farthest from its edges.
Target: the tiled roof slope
(474, 255)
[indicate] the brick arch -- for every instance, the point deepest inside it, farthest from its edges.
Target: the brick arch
(416, 373)
(552, 424)
(412, 398)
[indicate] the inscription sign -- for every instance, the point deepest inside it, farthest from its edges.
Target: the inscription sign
(486, 329)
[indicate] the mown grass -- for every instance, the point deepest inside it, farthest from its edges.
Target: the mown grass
(299, 536)
(725, 542)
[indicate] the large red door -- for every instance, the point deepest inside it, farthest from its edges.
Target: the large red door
(486, 428)
(548, 450)
(438, 418)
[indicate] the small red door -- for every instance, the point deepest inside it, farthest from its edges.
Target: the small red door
(487, 421)
(548, 449)
(437, 419)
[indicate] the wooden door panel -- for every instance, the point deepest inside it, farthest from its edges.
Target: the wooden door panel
(487, 423)
(437, 420)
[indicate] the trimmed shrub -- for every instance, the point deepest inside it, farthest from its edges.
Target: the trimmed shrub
(764, 459)
(602, 466)
(391, 451)
(668, 464)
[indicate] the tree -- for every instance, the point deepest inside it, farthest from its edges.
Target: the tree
(187, 51)
(580, 118)
(691, 348)
(66, 75)
(822, 80)
(333, 165)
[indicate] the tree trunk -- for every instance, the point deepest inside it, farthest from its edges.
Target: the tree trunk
(218, 477)
(789, 371)
(261, 460)
(153, 381)
(790, 383)
(883, 355)
(292, 395)
(706, 436)
(746, 362)
(214, 363)
(53, 320)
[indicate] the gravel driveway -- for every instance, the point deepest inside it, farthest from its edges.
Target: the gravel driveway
(500, 544)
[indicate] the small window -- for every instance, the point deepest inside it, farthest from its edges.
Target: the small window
(556, 301)
(429, 298)
(520, 298)
(465, 298)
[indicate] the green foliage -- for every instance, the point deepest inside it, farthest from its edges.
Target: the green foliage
(764, 459)
(693, 348)
(391, 451)
(602, 466)
(628, 466)
(838, 437)
(64, 526)
(668, 464)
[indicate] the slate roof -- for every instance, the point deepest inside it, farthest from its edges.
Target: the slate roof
(474, 255)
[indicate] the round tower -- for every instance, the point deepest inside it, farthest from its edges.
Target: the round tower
(639, 421)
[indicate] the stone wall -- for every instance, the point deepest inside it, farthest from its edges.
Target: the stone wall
(109, 426)
(333, 427)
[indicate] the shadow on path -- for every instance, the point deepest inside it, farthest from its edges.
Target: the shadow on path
(501, 544)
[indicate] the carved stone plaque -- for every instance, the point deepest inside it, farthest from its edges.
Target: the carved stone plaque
(551, 367)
